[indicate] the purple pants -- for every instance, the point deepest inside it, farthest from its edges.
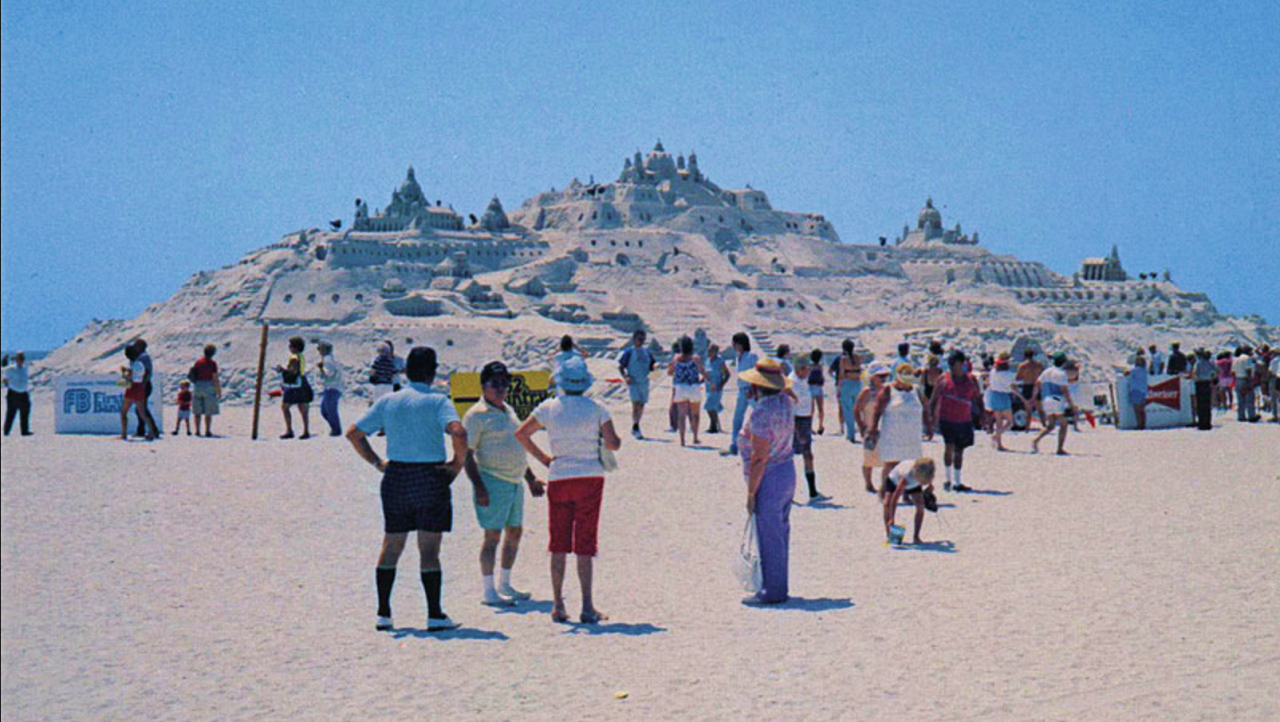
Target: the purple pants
(773, 527)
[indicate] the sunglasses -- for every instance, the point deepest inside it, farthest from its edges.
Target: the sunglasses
(500, 382)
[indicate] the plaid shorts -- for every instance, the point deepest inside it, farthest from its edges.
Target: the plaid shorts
(415, 497)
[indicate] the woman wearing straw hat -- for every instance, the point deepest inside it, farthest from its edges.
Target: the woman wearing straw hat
(895, 423)
(769, 467)
(863, 410)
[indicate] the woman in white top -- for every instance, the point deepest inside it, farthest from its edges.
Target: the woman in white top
(1001, 388)
(331, 375)
(579, 429)
(895, 423)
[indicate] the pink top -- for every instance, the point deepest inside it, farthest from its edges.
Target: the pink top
(771, 418)
(958, 397)
(1224, 369)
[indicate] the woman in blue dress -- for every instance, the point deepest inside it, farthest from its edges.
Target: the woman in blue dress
(717, 378)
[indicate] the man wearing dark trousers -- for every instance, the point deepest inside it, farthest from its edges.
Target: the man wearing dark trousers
(17, 395)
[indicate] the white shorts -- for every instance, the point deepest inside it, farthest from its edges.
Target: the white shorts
(688, 392)
(1054, 405)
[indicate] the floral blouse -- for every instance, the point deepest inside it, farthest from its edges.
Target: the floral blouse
(772, 418)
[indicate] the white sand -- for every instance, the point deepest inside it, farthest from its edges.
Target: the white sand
(215, 579)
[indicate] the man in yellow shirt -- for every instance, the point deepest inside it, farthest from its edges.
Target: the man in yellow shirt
(496, 465)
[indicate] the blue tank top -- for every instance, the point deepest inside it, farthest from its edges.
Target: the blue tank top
(686, 373)
(713, 373)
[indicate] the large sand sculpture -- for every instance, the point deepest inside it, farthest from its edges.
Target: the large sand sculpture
(662, 247)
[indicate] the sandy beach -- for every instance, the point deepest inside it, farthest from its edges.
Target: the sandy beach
(230, 579)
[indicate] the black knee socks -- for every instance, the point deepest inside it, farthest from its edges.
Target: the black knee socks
(386, 577)
(812, 478)
(431, 582)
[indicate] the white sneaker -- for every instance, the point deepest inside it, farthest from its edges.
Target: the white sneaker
(636, 434)
(384, 624)
(819, 498)
(511, 592)
(496, 601)
(441, 624)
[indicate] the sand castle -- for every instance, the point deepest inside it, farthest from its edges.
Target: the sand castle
(661, 247)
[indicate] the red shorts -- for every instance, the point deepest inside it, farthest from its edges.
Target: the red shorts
(136, 392)
(574, 506)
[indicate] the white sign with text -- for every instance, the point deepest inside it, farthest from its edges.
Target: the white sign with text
(90, 404)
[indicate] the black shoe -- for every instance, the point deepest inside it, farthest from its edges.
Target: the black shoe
(961, 487)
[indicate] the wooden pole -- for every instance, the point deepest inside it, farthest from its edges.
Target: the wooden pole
(1115, 408)
(257, 391)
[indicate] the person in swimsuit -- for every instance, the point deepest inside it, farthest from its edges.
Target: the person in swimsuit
(1028, 372)
(928, 382)
(816, 382)
(848, 379)
(687, 376)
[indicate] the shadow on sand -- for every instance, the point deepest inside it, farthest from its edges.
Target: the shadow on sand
(822, 505)
(631, 630)
(942, 547)
(985, 492)
(462, 633)
(529, 606)
(801, 604)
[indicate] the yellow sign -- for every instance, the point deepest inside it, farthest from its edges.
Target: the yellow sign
(528, 389)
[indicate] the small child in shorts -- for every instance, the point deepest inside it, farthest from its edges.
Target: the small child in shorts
(916, 484)
(184, 407)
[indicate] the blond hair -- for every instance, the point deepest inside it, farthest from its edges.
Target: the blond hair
(924, 470)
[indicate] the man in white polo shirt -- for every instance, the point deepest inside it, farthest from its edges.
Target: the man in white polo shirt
(17, 395)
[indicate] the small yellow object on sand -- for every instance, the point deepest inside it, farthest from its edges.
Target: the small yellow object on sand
(621, 695)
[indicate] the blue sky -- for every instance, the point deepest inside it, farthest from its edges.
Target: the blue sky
(145, 141)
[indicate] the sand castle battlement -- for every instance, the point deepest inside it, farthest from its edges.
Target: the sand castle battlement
(412, 230)
(657, 191)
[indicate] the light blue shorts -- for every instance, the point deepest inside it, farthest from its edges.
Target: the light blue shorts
(639, 391)
(999, 400)
(506, 504)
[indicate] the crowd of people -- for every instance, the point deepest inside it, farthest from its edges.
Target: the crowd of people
(889, 408)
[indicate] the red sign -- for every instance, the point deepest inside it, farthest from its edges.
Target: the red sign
(1167, 393)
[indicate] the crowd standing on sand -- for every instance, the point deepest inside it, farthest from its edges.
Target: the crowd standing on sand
(890, 409)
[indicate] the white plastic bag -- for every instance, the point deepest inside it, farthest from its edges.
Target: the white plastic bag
(608, 460)
(746, 564)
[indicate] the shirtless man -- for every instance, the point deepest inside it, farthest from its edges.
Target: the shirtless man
(1028, 373)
